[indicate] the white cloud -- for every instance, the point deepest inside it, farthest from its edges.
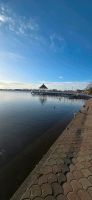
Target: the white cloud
(56, 42)
(16, 23)
(24, 26)
(9, 56)
(29, 28)
(3, 18)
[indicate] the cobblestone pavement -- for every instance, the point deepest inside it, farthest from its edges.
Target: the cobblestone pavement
(66, 174)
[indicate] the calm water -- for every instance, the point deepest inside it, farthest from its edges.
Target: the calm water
(28, 126)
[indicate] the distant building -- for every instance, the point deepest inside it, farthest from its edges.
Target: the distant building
(43, 87)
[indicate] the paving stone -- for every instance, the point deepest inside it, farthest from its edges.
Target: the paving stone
(85, 183)
(57, 189)
(67, 188)
(77, 174)
(86, 172)
(42, 179)
(57, 168)
(91, 160)
(84, 195)
(70, 177)
(52, 162)
(46, 189)
(90, 191)
(47, 169)
(61, 178)
(74, 160)
(35, 182)
(68, 161)
(59, 161)
(51, 178)
(88, 157)
(81, 159)
(72, 196)
(90, 169)
(70, 155)
(65, 169)
(87, 164)
(90, 179)
(61, 197)
(76, 185)
(35, 191)
(72, 167)
(49, 197)
(79, 166)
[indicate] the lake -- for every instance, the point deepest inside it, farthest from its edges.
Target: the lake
(28, 127)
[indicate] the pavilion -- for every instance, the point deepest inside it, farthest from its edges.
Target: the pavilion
(43, 87)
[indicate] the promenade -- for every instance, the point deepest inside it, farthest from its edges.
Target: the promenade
(65, 172)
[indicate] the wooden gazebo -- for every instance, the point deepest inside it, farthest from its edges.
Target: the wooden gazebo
(43, 87)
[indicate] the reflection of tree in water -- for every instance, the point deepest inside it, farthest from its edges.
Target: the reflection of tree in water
(43, 99)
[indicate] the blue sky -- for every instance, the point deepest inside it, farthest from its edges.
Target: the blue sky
(45, 41)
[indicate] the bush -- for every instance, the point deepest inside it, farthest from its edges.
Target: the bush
(90, 90)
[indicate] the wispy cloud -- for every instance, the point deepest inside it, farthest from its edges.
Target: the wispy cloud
(15, 23)
(29, 28)
(56, 42)
(6, 56)
(3, 18)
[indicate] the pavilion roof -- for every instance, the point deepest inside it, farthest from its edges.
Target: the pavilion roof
(43, 86)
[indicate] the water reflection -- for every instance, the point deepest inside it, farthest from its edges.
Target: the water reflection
(42, 99)
(28, 126)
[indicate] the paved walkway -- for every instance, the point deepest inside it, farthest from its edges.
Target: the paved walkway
(66, 172)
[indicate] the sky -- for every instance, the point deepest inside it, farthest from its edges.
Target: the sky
(45, 41)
